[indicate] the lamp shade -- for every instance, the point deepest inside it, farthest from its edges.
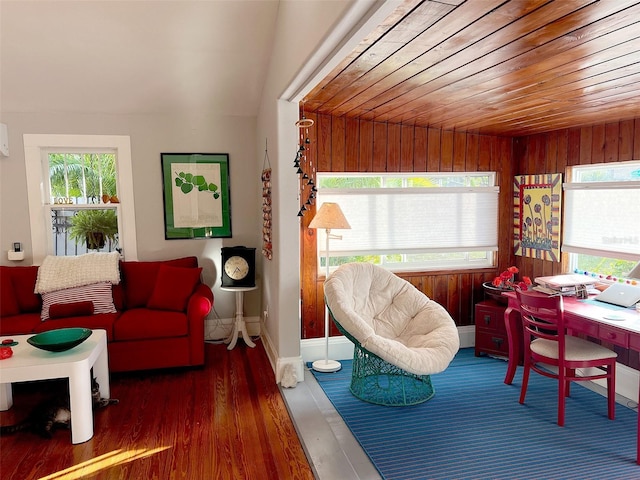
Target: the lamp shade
(329, 216)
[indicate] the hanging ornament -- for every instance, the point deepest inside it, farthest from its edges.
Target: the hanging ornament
(303, 164)
(267, 244)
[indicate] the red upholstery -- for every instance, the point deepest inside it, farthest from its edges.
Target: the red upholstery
(19, 324)
(174, 286)
(102, 321)
(24, 281)
(72, 309)
(546, 343)
(8, 301)
(139, 337)
(150, 354)
(135, 324)
(139, 278)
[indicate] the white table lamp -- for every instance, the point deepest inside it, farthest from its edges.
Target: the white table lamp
(329, 216)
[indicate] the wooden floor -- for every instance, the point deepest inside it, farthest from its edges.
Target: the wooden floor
(225, 421)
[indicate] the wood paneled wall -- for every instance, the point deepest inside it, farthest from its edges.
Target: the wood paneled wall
(553, 152)
(340, 144)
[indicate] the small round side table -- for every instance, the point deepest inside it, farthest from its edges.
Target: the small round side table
(239, 325)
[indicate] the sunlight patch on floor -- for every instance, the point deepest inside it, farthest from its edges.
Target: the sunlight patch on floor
(102, 462)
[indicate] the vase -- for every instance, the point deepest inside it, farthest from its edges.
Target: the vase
(95, 240)
(495, 293)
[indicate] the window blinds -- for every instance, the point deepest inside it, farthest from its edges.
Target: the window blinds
(602, 218)
(416, 220)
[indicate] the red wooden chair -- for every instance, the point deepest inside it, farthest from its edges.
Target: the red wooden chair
(546, 343)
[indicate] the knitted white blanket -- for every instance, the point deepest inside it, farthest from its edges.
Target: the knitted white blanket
(57, 273)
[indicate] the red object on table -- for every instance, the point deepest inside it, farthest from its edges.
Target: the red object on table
(5, 352)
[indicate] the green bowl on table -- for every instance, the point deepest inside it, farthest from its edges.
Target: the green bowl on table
(60, 340)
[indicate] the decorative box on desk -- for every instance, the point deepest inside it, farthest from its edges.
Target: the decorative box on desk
(491, 333)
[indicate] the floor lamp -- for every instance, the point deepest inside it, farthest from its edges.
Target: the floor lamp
(329, 216)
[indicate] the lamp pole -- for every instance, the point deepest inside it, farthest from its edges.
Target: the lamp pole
(328, 216)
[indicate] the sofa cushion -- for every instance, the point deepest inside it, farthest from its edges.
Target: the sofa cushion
(174, 286)
(97, 293)
(71, 309)
(142, 323)
(139, 278)
(8, 301)
(118, 296)
(24, 284)
(19, 324)
(102, 321)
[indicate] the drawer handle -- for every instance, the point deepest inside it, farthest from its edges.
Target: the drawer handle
(487, 319)
(611, 336)
(497, 341)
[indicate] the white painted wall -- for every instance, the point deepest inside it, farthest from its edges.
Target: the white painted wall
(312, 37)
(301, 26)
(150, 135)
(308, 38)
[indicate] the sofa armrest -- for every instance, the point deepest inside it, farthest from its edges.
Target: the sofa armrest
(198, 307)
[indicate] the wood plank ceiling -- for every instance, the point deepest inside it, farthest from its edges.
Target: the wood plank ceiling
(498, 67)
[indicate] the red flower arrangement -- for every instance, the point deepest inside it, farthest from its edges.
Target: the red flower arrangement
(506, 280)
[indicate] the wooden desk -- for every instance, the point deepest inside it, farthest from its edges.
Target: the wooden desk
(581, 317)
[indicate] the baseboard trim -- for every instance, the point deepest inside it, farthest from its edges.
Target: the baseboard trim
(627, 381)
(221, 328)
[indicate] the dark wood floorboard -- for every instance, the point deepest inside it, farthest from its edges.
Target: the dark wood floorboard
(224, 421)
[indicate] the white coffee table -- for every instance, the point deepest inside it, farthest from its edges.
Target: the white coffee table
(30, 363)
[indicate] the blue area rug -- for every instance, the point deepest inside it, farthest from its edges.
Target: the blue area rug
(474, 428)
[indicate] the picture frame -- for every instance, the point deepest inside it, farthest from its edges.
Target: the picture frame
(537, 207)
(196, 195)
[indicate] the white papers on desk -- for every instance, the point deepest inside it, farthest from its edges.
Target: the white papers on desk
(565, 282)
(551, 291)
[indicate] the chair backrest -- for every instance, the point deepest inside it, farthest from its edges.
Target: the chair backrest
(366, 300)
(542, 317)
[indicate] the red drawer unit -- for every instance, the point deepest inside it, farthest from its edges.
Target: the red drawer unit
(491, 333)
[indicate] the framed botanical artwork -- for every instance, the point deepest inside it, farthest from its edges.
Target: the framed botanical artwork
(536, 209)
(197, 197)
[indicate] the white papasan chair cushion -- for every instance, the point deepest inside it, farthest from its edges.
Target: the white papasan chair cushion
(391, 318)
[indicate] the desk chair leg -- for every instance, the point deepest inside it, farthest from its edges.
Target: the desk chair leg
(570, 373)
(525, 381)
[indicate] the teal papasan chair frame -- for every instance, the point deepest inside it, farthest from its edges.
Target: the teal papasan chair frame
(401, 337)
(375, 380)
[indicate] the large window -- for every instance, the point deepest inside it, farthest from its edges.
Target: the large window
(413, 221)
(76, 182)
(601, 212)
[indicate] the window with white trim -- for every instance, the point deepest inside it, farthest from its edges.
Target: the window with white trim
(83, 202)
(601, 215)
(413, 221)
(70, 177)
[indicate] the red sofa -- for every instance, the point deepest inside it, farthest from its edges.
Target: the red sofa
(158, 320)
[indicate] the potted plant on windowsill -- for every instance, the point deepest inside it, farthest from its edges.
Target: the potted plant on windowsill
(504, 283)
(94, 227)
